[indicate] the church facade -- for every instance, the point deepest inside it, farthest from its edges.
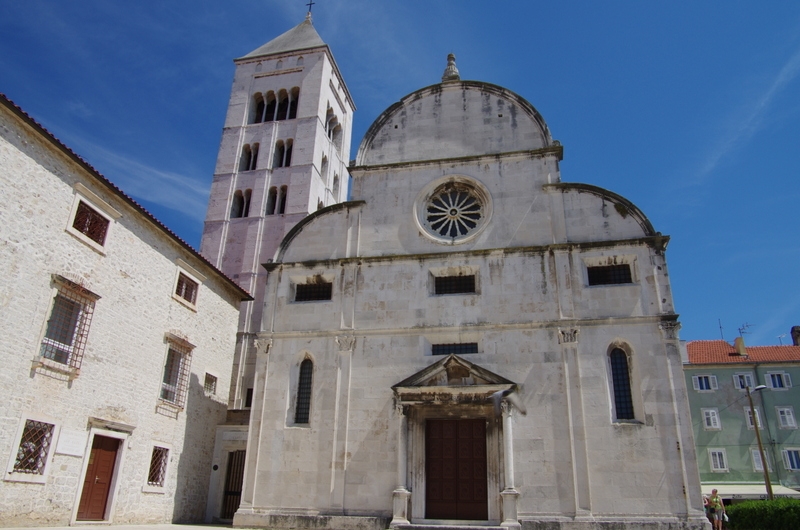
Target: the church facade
(466, 340)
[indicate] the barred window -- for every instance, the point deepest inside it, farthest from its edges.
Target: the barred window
(68, 326)
(458, 349)
(34, 447)
(621, 380)
(176, 374)
(308, 292)
(90, 223)
(158, 467)
(610, 274)
(186, 288)
(210, 384)
(301, 413)
(454, 284)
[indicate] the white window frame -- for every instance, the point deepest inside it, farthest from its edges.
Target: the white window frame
(791, 464)
(148, 488)
(784, 377)
(786, 419)
(748, 377)
(755, 456)
(712, 382)
(748, 418)
(720, 452)
(14, 476)
(91, 199)
(711, 414)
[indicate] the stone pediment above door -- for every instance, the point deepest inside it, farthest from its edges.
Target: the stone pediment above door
(452, 379)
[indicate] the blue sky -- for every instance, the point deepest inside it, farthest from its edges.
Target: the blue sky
(689, 109)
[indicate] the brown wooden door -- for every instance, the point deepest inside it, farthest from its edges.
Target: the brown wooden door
(455, 470)
(97, 482)
(234, 477)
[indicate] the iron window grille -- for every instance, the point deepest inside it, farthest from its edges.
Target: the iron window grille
(309, 292)
(158, 467)
(610, 274)
(458, 349)
(303, 408)
(90, 223)
(68, 326)
(454, 284)
(34, 447)
(210, 384)
(620, 375)
(176, 375)
(186, 288)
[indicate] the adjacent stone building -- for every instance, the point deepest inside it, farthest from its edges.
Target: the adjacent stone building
(467, 340)
(117, 344)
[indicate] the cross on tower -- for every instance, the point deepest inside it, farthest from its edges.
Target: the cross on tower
(309, 4)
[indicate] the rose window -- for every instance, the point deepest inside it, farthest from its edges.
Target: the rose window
(454, 211)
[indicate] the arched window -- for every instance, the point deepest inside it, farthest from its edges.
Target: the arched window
(282, 200)
(303, 407)
(283, 105)
(254, 158)
(279, 65)
(248, 194)
(300, 61)
(287, 161)
(237, 206)
(329, 118)
(258, 109)
(272, 198)
(320, 206)
(269, 113)
(295, 98)
(246, 159)
(323, 168)
(337, 137)
(336, 187)
(280, 151)
(621, 382)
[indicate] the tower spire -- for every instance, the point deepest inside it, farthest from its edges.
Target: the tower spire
(451, 72)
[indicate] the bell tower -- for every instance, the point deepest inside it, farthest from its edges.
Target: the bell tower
(283, 155)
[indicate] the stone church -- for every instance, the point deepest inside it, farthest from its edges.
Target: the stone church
(444, 332)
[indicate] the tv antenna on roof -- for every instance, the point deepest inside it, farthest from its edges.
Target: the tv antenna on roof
(743, 329)
(720, 329)
(780, 339)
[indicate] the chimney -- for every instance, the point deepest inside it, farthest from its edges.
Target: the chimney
(796, 335)
(738, 343)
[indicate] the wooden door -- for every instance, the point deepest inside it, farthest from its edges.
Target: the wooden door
(455, 470)
(234, 477)
(97, 482)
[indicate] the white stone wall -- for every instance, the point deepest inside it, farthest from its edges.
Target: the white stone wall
(122, 369)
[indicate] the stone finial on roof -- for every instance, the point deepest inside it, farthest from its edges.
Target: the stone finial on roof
(451, 72)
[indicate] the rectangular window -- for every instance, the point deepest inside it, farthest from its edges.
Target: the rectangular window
(462, 284)
(458, 349)
(158, 467)
(711, 420)
(786, 417)
(743, 380)
(186, 288)
(610, 274)
(176, 375)
(91, 223)
(34, 447)
(756, 457)
(704, 383)
(791, 459)
(68, 326)
(248, 398)
(210, 385)
(309, 292)
(778, 380)
(718, 460)
(748, 414)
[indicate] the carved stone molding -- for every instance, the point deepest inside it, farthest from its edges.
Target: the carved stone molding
(346, 342)
(263, 346)
(670, 329)
(568, 336)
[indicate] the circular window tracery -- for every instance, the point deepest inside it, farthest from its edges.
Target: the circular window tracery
(453, 210)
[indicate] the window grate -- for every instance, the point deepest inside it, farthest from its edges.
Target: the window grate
(308, 292)
(34, 447)
(454, 284)
(210, 384)
(622, 385)
(90, 223)
(176, 375)
(303, 408)
(186, 288)
(610, 274)
(68, 327)
(458, 349)
(158, 467)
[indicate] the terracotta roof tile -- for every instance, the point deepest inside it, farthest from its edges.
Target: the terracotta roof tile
(720, 352)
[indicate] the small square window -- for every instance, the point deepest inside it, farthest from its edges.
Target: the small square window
(461, 284)
(778, 380)
(610, 274)
(786, 417)
(310, 292)
(91, 223)
(158, 467)
(718, 460)
(457, 349)
(791, 459)
(711, 420)
(186, 288)
(743, 380)
(34, 447)
(210, 385)
(704, 383)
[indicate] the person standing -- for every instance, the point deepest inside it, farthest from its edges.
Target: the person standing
(716, 509)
